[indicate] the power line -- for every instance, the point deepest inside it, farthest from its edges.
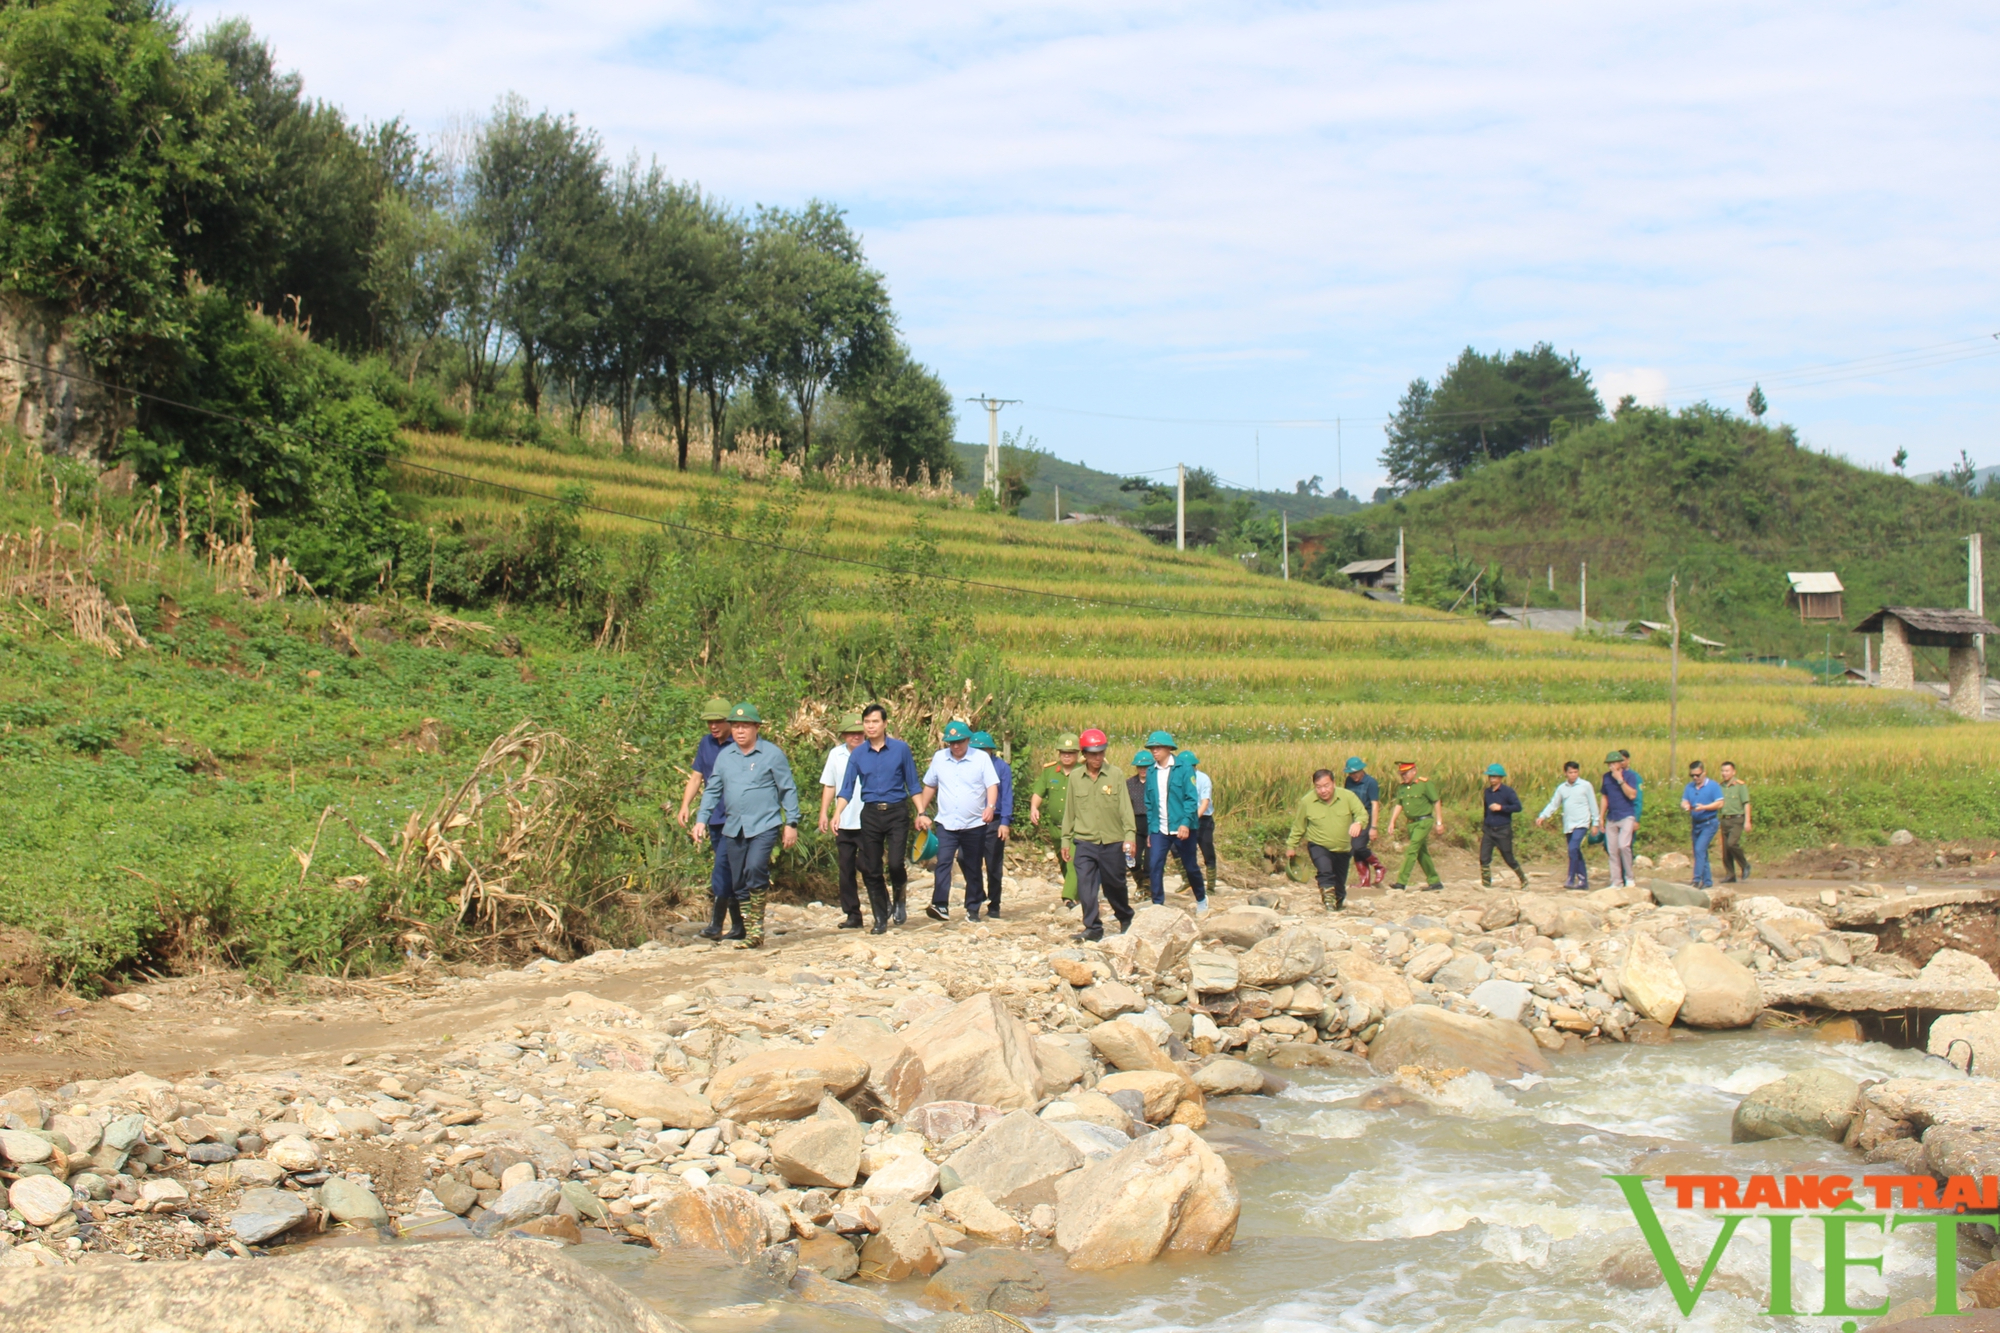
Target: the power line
(713, 535)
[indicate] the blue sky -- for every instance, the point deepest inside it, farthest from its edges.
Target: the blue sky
(1240, 217)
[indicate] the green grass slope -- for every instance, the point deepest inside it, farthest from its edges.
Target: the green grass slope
(1727, 505)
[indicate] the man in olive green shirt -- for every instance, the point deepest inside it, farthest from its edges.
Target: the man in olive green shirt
(1053, 787)
(1098, 828)
(1330, 818)
(1417, 797)
(1735, 823)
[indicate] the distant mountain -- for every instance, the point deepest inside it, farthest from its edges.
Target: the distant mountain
(1085, 489)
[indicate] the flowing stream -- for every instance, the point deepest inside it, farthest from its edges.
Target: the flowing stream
(1486, 1209)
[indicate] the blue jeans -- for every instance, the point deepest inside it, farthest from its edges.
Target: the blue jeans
(750, 862)
(1157, 846)
(967, 846)
(1579, 872)
(718, 874)
(1704, 834)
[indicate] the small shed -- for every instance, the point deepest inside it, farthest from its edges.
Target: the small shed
(1905, 627)
(1815, 596)
(1372, 574)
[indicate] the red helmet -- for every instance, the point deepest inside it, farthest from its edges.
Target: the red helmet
(1093, 739)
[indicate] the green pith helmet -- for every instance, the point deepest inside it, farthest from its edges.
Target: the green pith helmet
(1495, 771)
(1614, 756)
(1165, 738)
(983, 740)
(1143, 759)
(1066, 741)
(746, 712)
(956, 731)
(850, 722)
(1354, 765)
(715, 710)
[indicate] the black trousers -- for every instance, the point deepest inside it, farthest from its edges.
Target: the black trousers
(1204, 838)
(996, 866)
(1497, 839)
(1142, 874)
(1331, 869)
(847, 850)
(1100, 867)
(885, 836)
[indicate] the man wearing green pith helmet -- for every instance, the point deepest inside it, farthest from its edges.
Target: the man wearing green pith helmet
(753, 779)
(1050, 796)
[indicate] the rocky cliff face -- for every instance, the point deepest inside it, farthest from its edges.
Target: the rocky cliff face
(41, 399)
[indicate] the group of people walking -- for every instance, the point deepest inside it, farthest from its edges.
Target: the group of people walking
(1114, 826)
(1336, 820)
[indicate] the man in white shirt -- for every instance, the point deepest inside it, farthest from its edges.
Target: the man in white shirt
(847, 839)
(1204, 834)
(966, 787)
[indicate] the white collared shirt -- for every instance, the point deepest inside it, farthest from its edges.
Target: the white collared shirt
(834, 775)
(961, 787)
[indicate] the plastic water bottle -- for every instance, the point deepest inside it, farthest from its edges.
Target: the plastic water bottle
(1130, 861)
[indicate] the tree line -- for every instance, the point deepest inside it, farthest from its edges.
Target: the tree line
(506, 265)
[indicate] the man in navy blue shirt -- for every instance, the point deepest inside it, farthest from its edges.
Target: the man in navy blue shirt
(882, 775)
(1618, 813)
(716, 713)
(1369, 792)
(1499, 803)
(1003, 820)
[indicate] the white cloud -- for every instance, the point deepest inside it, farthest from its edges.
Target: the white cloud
(1647, 385)
(1116, 205)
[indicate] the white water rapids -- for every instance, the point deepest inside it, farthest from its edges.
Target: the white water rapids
(1487, 1210)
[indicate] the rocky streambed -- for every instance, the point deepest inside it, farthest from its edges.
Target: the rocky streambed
(1263, 1118)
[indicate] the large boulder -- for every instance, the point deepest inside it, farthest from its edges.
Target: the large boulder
(1353, 965)
(905, 1247)
(1242, 926)
(1288, 956)
(1954, 1150)
(895, 1081)
(1813, 1104)
(976, 1051)
(1060, 1063)
(1126, 1045)
(1721, 992)
(1158, 938)
(1505, 1000)
(784, 1084)
(1647, 979)
(1432, 1038)
(649, 1096)
(1166, 1193)
(1212, 972)
(1016, 1161)
(1159, 1090)
(991, 1279)
(264, 1213)
(1668, 894)
(1970, 1041)
(708, 1217)
(506, 1286)
(823, 1151)
(1108, 999)
(1229, 1078)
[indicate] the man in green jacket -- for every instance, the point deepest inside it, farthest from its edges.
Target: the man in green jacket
(1735, 823)
(1097, 828)
(1050, 794)
(1417, 797)
(1331, 819)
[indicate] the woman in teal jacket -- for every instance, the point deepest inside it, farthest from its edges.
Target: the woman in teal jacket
(1173, 813)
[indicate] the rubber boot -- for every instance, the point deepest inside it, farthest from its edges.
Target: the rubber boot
(878, 909)
(735, 921)
(901, 912)
(713, 931)
(1522, 875)
(1328, 900)
(1486, 876)
(753, 920)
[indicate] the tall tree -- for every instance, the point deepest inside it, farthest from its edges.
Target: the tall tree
(726, 345)
(903, 413)
(1486, 407)
(824, 312)
(540, 201)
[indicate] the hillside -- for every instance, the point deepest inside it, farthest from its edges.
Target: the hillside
(1727, 505)
(217, 795)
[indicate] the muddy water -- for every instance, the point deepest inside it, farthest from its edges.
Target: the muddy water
(1486, 1210)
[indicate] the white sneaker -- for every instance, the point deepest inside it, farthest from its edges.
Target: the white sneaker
(1201, 907)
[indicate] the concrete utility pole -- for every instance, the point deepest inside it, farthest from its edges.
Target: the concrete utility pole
(1975, 593)
(992, 406)
(1180, 506)
(1058, 504)
(1674, 684)
(1285, 542)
